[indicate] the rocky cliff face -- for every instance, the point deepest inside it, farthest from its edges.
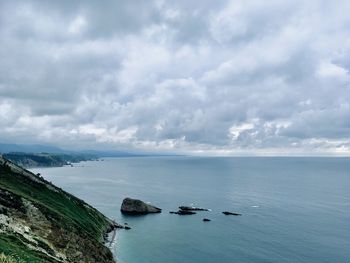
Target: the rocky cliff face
(41, 223)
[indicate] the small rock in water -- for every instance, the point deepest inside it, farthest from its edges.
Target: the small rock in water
(206, 220)
(231, 213)
(183, 212)
(191, 208)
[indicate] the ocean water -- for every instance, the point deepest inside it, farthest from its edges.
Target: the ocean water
(294, 209)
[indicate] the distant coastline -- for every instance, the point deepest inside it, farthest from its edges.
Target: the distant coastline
(32, 160)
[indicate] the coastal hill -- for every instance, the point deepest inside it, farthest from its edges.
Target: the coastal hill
(40, 222)
(37, 149)
(29, 160)
(6, 148)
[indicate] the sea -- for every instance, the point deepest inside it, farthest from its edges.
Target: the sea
(294, 209)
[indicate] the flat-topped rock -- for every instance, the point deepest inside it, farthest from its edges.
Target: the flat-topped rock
(183, 212)
(137, 207)
(231, 213)
(192, 208)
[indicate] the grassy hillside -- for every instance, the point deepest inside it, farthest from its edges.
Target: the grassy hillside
(41, 223)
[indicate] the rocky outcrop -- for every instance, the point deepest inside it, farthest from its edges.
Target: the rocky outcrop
(191, 208)
(183, 212)
(231, 213)
(137, 207)
(188, 210)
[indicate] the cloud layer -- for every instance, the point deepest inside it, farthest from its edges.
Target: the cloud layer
(185, 76)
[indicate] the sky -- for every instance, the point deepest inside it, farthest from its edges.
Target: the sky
(202, 77)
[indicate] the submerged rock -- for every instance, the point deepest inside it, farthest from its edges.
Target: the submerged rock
(188, 210)
(183, 212)
(191, 208)
(137, 207)
(231, 213)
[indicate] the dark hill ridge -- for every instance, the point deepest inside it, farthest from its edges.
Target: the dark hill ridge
(40, 222)
(29, 160)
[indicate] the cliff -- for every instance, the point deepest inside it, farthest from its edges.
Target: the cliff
(40, 222)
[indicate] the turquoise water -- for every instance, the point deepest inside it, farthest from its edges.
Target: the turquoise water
(294, 209)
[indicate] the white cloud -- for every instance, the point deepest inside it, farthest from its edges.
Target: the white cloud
(236, 130)
(330, 70)
(77, 25)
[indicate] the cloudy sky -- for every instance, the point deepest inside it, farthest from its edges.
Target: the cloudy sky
(207, 77)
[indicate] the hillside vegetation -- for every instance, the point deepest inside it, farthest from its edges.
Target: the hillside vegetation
(41, 223)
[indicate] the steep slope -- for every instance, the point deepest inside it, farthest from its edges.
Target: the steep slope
(41, 223)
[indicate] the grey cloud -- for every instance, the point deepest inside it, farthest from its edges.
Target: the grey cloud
(104, 20)
(221, 76)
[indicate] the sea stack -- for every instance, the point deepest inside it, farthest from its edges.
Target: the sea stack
(137, 207)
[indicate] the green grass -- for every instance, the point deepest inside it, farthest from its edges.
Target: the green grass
(68, 211)
(9, 259)
(68, 217)
(12, 248)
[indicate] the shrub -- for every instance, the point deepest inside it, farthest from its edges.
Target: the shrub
(9, 259)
